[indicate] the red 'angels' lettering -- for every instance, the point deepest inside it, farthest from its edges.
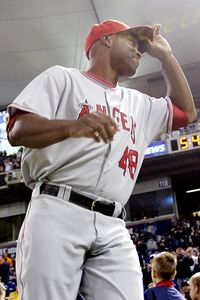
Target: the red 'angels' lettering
(127, 123)
(101, 108)
(129, 159)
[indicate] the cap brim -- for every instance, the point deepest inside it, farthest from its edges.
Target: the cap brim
(142, 33)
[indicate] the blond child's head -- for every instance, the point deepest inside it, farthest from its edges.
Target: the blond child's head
(194, 283)
(163, 267)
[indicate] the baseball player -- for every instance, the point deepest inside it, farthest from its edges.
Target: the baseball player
(85, 139)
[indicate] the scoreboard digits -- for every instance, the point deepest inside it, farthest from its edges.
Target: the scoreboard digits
(182, 143)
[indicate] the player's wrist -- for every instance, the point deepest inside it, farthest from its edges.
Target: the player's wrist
(68, 129)
(165, 57)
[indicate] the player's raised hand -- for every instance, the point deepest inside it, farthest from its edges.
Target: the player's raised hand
(158, 47)
(98, 126)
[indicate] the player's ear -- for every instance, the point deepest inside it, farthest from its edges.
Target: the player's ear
(106, 40)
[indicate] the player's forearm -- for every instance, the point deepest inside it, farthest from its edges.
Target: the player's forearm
(35, 132)
(177, 86)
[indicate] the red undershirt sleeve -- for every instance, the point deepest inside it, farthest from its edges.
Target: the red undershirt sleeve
(13, 119)
(179, 117)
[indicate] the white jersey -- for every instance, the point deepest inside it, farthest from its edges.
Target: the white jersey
(106, 170)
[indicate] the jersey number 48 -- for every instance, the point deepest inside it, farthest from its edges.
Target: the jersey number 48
(129, 160)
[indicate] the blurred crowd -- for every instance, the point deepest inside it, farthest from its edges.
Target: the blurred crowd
(182, 239)
(8, 283)
(8, 165)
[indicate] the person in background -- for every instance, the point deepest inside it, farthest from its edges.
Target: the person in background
(196, 256)
(184, 264)
(147, 280)
(194, 283)
(163, 272)
(6, 257)
(15, 296)
(185, 290)
(2, 291)
(2, 175)
(4, 271)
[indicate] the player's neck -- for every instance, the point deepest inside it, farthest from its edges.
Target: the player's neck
(104, 72)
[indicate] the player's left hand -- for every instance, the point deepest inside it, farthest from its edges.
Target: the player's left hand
(158, 47)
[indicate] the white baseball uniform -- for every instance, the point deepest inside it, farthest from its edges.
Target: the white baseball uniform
(60, 242)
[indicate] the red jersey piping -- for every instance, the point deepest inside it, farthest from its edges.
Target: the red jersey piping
(99, 80)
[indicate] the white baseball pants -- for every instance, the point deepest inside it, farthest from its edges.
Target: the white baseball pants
(63, 246)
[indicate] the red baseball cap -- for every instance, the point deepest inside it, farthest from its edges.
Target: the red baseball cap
(141, 32)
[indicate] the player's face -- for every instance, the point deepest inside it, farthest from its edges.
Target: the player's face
(125, 54)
